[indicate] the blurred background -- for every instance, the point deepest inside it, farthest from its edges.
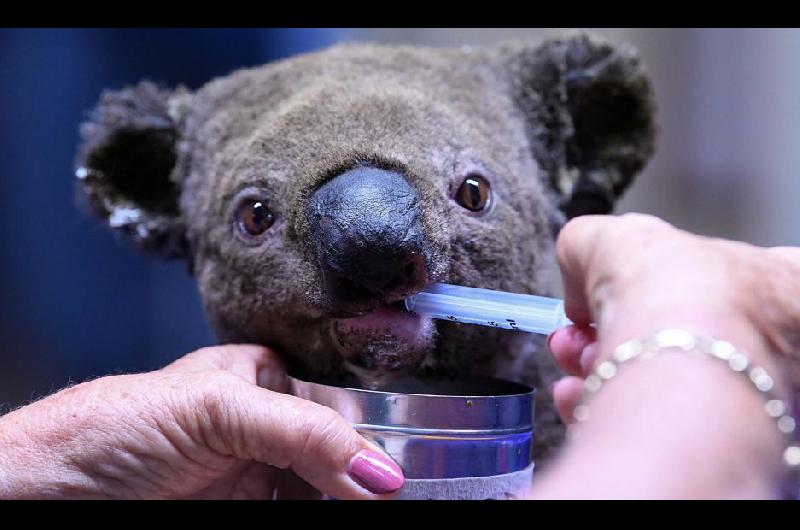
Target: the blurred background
(76, 303)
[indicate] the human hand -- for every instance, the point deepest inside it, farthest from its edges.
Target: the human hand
(634, 274)
(672, 426)
(213, 424)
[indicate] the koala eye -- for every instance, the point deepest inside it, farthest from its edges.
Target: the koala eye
(474, 193)
(253, 217)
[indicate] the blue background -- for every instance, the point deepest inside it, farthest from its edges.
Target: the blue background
(74, 302)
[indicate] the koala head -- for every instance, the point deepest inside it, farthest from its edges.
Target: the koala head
(311, 196)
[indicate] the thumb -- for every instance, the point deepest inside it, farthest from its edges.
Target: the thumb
(576, 247)
(285, 431)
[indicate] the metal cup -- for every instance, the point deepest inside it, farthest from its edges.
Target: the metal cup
(464, 439)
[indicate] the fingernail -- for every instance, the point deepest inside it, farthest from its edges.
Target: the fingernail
(375, 472)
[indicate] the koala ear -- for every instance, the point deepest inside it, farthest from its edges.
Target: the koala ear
(125, 166)
(589, 110)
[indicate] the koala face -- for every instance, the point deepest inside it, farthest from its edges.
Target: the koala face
(312, 195)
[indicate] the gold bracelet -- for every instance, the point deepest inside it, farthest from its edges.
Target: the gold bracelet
(686, 341)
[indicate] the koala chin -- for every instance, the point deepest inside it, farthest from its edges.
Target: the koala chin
(310, 196)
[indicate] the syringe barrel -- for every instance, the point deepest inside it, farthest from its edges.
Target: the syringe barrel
(525, 312)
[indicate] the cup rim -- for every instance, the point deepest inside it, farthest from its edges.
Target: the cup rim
(525, 390)
(425, 413)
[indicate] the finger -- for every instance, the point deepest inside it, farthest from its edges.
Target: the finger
(566, 395)
(292, 487)
(567, 344)
(588, 359)
(255, 364)
(288, 432)
(575, 247)
(245, 480)
(594, 253)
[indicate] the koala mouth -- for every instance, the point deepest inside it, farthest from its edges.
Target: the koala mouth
(386, 343)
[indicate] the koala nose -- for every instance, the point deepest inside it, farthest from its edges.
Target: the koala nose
(366, 229)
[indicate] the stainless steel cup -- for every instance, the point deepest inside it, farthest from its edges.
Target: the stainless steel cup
(465, 439)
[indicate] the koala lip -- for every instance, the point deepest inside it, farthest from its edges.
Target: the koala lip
(363, 310)
(387, 339)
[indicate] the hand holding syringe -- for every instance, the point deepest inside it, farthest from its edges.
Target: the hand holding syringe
(524, 312)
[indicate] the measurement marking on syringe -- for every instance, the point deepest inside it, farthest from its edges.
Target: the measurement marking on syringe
(513, 311)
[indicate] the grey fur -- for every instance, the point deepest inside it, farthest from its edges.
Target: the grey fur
(559, 128)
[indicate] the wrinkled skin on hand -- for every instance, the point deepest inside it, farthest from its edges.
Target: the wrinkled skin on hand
(203, 427)
(635, 274)
(677, 425)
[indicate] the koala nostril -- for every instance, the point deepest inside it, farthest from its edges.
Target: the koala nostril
(353, 288)
(405, 279)
(406, 274)
(410, 277)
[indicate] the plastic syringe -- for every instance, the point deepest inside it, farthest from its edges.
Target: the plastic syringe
(499, 309)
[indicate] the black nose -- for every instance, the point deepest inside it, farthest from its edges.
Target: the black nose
(366, 229)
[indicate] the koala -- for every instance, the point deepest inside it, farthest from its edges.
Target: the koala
(310, 196)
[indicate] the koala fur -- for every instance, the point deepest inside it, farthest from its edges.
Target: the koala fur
(558, 128)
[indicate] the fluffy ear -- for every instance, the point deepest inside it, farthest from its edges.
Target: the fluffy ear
(590, 114)
(125, 166)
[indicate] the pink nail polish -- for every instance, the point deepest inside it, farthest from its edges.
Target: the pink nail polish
(375, 472)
